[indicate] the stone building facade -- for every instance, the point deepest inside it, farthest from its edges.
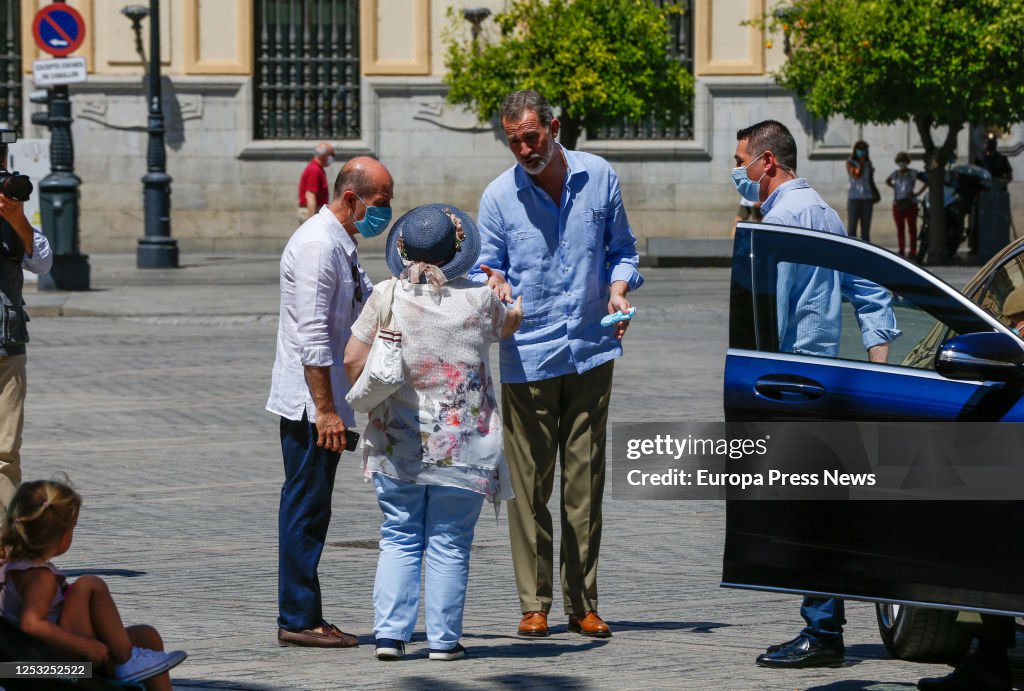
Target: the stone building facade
(237, 140)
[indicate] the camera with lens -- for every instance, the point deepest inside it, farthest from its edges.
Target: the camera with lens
(12, 183)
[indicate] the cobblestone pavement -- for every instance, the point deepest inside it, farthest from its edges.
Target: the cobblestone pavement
(149, 394)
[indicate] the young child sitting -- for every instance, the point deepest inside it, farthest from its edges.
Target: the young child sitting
(80, 618)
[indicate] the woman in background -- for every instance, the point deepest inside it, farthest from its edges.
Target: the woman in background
(859, 201)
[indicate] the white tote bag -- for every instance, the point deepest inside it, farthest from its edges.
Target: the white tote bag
(382, 375)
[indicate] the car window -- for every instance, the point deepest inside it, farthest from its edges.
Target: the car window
(914, 323)
(817, 295)
(1004, 280)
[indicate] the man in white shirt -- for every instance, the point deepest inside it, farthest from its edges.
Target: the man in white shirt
(323, 289)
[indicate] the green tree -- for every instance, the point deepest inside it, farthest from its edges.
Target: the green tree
(595, 59)
(937, 63)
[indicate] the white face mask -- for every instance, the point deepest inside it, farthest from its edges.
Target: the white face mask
(330, 160)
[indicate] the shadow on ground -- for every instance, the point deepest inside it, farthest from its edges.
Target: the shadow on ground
(225, 685)
(533, 649)
(868, 651)
(123, 573)
(692, 626)
(863, 685)
(501, 681)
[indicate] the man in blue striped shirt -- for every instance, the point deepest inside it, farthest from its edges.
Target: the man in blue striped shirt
(809, 300)
(554, 231)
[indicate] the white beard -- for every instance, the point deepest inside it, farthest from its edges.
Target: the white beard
(541, 164)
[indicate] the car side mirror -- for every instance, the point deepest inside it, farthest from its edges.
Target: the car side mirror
(990, 356)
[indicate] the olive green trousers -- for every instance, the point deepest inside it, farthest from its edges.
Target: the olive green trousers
(563, 417)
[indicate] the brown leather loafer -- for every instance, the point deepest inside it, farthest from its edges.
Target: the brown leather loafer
(326, 636)
(534, 624)
(589, 625)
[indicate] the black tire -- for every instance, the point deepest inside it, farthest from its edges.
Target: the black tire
(919, 633)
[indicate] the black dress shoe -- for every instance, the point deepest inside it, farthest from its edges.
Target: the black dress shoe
(803, 652)
(975, 673)
(780, 646)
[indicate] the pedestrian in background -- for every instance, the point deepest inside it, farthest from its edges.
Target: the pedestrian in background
(323, 288)
(903, 180)
(22, 248)
(993, 161)
(433, 449)
(860, 198)
(313, 183)
(554, 232)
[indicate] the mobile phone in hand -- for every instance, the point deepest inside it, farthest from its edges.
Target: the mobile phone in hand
(351, 440)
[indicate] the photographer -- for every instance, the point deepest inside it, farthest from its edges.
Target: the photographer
(21, 247)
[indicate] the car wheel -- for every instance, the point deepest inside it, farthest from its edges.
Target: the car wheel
(920, 633)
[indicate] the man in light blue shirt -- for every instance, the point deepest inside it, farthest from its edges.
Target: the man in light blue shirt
(554, 231)
(809, 300)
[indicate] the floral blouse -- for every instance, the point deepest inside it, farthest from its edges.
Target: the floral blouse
(442, 427)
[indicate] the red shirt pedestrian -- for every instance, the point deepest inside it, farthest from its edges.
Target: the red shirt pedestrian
(313, 191)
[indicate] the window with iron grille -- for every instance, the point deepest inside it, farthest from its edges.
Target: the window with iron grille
(307, 69)
(10, 63)
(680, 47)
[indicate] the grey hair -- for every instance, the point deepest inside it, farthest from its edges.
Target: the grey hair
(518, 103)
(770, 135)
(322, 148)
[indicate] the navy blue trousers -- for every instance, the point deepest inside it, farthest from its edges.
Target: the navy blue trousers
(825, 617)
(303, 518)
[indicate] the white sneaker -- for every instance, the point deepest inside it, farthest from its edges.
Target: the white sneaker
(145, 663)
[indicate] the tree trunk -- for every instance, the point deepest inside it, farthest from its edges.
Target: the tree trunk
(937, 250)
(570, 132)
(935, 159)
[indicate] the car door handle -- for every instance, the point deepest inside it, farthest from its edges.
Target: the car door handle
(789, 389)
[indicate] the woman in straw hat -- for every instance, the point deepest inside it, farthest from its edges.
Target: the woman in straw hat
(434, 448)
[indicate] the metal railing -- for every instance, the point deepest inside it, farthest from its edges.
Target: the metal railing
(10, 63)
(680, 47)
(307, 69)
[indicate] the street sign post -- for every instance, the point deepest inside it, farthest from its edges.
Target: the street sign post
(58, 29)
(59, 71)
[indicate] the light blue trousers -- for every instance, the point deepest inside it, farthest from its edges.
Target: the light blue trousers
(431, 524)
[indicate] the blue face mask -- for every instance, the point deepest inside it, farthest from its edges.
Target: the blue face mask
(1016, 331)
(375, 221)
(748, 189)
(861, 153)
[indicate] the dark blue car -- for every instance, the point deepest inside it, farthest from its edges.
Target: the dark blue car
(957, 360)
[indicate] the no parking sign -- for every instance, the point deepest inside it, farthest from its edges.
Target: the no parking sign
(58, 29)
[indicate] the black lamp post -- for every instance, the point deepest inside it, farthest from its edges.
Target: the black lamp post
(136, 13)
(157, 250)
(59, 197)
(475, 16)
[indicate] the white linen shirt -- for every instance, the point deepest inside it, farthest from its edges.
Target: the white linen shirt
(318, 307)
(41, 260)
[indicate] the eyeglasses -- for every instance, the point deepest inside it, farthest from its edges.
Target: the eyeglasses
(357, 294)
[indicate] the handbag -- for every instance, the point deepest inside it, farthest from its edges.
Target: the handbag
(876, 196)
(382, 374)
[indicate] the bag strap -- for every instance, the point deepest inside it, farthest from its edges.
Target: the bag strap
(384, 314)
